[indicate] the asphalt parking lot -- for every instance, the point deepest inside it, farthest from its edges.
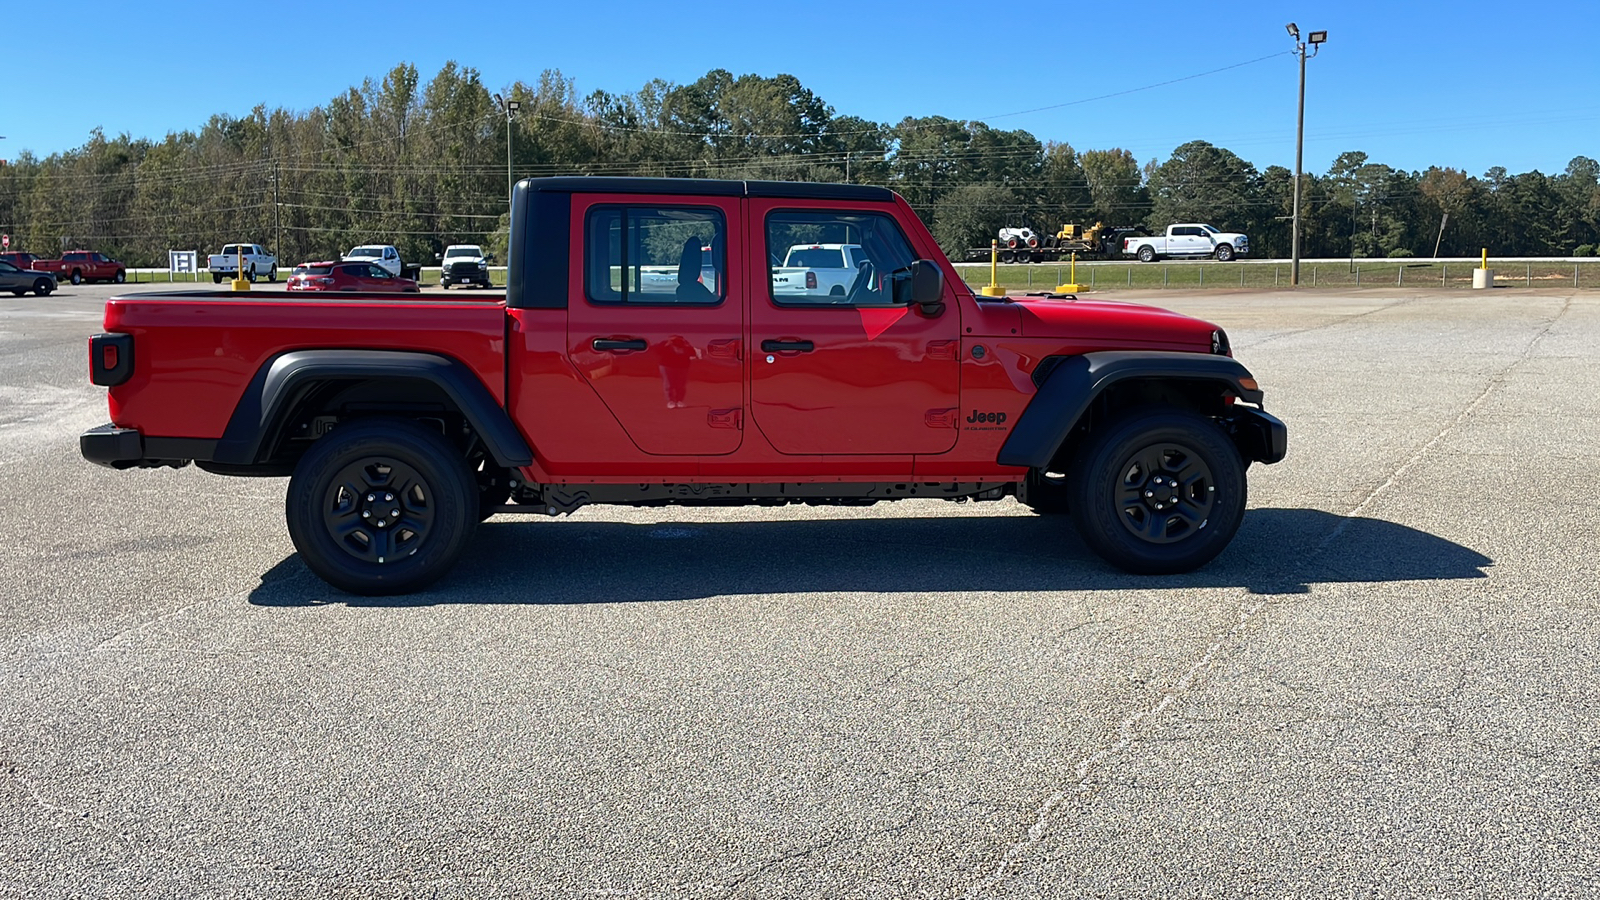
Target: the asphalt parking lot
(1385, 687)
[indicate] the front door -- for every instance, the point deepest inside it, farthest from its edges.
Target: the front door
(655, 328)
(846, 372)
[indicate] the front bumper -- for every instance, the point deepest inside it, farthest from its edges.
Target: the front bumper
(1260, 436)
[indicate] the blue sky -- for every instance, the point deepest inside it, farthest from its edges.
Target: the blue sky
(1412, 84)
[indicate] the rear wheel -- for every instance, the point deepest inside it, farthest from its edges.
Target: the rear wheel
(1024, 256)
(251, 275)
(77, 277)
(272, 274)
(1157, 492)
(1147, 254)
(216, 277)
(382, 506)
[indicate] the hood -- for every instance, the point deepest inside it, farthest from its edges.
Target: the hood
(1113, 322)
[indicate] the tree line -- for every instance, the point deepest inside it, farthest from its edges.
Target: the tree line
(425, 165)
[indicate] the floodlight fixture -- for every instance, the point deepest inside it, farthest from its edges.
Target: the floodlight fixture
(1294, 30)
(1316, 37)
(515, 105)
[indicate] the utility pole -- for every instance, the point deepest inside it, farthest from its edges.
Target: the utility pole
(509, 107)
(1315, 39)
(277, 215)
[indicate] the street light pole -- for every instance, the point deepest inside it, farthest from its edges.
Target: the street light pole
(1315, 39)
(509, 107)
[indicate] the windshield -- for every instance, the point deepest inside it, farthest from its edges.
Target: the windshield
(462, 251)
(312, 270)
(1210, 229)
(367, 252)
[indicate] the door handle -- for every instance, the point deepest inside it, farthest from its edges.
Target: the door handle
(791, 346)
(618, 344)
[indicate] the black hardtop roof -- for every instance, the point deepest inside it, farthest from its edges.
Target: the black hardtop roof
(707, 187)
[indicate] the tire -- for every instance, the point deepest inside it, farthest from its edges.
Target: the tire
(1224, 253)
(342, 536)
(1033, 242)
(251, 275)
(1024, 256)
(272, 274)
(1147, 253)
(1159, 491)
(77, 277)
(122, 276)
(444, 285)
(216, 277)
(1007, 256)
(1011, 243)
(20, 292)
(43, 287)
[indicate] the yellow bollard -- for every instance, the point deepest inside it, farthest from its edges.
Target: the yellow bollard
(993, 288)
(241, 283)
(1072, 287)
(1485, 263)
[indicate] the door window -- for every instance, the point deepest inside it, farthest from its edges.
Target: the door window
(834, 258)
(655, 255)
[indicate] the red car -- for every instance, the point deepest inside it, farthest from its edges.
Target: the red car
(20, 260)
(349, 276)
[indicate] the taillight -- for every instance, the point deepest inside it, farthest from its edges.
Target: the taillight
(811, 281)
(110, 359)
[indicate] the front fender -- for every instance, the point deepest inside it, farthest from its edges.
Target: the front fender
(1073, 384)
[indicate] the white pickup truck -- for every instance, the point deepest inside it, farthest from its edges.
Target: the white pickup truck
(1194, 241)
(257, 262)
(385, 257)
(818, 270)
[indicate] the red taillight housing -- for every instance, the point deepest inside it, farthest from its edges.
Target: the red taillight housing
(811, 281)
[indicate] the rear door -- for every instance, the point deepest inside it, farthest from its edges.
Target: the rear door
(852, 373)
(655, 327)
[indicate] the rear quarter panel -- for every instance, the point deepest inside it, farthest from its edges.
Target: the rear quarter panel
(194, 358)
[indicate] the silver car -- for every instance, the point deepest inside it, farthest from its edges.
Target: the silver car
(20, 281)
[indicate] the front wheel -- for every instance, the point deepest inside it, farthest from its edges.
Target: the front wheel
(383, 506)
(1224, 252)
(43, 286)
(1147, 254)
(1158, 492)
(121, 276)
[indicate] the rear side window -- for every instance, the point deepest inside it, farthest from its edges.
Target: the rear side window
(655, 255)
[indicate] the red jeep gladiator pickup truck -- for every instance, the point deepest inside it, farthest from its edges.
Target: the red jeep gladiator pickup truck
(641, 357)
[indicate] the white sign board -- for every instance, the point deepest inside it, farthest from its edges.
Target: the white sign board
(181, 261)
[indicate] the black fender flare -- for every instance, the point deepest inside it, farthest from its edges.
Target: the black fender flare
(1074, 383)
(281, 381)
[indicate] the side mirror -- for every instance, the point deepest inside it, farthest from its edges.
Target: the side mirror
(438, 257)
(489, 258)
(921, 283)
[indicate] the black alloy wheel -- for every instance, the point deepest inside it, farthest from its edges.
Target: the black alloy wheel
(1159, 491)
(43, 286)
(382, 506)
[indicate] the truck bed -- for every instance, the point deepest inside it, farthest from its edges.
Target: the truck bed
(195, 352)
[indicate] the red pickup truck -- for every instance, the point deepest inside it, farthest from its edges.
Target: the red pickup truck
(641, 356)
(78, 266)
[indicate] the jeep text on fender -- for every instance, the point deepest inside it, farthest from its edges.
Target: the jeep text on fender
(597, 379)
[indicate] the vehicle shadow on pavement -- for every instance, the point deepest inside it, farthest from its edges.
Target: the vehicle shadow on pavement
(1277, 551)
